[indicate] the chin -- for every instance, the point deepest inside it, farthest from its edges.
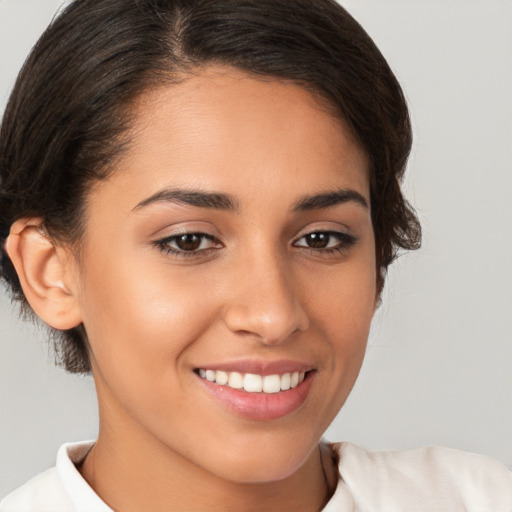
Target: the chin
(262, 462)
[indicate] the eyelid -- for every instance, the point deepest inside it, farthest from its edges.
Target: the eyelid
(165, 223)
(164, 243)
(345, 241)
(332, 232)
(324, 227)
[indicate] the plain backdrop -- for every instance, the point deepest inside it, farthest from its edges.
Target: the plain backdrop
(439, 365)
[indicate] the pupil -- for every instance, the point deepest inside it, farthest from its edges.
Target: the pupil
(318, 240)
(188, 242)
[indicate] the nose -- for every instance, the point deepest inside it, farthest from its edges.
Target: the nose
(264, 302)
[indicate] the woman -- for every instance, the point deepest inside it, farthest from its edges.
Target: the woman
(203, 198)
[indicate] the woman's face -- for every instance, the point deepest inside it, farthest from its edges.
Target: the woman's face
(233, 242)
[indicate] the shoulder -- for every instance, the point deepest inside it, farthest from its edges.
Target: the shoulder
(40, 494)
(428, 478)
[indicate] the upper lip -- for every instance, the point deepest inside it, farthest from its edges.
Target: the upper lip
(260, 367)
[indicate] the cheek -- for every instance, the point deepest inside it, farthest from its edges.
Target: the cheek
(345, 301)
(140, 321)
(140, 332)
(343, 312)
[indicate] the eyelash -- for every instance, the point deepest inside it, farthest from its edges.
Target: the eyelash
(164, 244)
(345, 240)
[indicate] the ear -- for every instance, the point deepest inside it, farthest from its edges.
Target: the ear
(47, 273)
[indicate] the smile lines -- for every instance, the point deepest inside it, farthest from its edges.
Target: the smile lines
(253, 383)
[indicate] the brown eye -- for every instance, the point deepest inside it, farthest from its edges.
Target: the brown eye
(317, 240)
(188, 242)
(326, 241)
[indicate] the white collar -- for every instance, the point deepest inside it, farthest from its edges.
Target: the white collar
(81, 494)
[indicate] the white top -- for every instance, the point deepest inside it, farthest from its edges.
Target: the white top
(426, 480)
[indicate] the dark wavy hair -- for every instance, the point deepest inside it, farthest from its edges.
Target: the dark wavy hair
(68, 116)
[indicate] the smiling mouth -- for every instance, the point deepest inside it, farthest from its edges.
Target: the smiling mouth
(253, 383)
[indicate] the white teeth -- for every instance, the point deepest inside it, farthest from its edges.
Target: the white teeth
(286, 381)
(221, 377)
(253, 383)
(271, 384)
(236, 380)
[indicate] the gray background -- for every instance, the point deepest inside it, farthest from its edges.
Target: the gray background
(439, 365)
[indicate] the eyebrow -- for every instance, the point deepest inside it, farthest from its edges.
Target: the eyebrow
(327, 199)
(213, 200)
(226, 202)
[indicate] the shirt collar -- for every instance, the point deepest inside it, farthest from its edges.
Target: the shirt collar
(80, 493)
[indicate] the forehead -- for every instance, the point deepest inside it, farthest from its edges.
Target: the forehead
(222, 128)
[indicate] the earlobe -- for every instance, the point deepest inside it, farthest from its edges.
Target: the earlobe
(45, 273)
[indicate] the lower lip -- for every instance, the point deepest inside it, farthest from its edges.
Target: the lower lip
(260, 406)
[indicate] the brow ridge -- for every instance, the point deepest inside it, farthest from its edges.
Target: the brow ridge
(198, 198)
(221, 201)
(328, 199)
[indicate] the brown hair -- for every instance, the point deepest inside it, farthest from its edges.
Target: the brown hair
(68, 112)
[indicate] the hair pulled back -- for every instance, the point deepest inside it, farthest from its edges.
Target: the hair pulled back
(69, 113)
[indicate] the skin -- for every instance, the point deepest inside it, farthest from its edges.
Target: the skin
(256, 291)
